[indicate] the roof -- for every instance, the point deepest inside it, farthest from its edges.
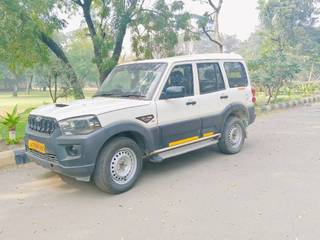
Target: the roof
(213, 56)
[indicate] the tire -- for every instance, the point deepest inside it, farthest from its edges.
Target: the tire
(233, 136)
(118, 166)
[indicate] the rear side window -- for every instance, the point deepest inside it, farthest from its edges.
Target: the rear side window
(210, 78)
(236, 73)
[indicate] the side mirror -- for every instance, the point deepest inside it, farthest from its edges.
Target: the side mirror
(175, 92)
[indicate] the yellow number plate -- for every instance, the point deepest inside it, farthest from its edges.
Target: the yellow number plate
(37, 146)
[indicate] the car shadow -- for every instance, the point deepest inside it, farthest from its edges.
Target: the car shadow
(187, 160)
(153, 170)
(150, 171)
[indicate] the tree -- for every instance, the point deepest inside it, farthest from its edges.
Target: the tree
(17, 52)
(79, 51)
(11, 79)
(56, 77)
(209, 24)
(202, 45)
(27, 29)
(307, 51)
(272, 71)
(282, 24)
(107, 22)
(29, 84)
(155, 31)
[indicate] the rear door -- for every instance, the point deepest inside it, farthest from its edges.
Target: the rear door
(212, 98)
(178, 118)
(238, 81)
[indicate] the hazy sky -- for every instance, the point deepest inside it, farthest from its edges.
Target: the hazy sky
(238, 17)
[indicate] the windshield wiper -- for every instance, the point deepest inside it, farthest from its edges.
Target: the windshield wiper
(103, 95)
(128, 95)
(132, 95)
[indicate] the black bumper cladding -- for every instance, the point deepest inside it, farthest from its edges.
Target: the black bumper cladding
(78, 172)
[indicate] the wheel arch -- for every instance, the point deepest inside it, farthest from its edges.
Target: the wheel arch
(133, 135)
(236, 110)
(143, 136)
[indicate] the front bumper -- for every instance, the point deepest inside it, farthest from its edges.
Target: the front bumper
(57, 157)
(81, 172)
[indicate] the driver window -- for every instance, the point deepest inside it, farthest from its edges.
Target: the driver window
(180, 76)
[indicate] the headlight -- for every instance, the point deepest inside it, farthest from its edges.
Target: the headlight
(79, 125)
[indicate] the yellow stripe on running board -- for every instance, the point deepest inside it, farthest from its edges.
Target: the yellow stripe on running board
(208, 134)
(182, 141)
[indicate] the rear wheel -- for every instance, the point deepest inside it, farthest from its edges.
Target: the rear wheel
(233, 136)
(118, 166)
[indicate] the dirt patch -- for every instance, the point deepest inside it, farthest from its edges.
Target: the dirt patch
(5, 147)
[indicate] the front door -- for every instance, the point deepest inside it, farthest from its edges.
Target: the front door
(178, 118)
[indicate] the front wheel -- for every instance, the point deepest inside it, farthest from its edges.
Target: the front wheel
(118, 166)
(233, 136)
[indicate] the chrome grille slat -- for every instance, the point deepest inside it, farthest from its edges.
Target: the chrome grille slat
(42, 124)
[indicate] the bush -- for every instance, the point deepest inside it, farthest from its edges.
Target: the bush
(14, 122)
(307, 89)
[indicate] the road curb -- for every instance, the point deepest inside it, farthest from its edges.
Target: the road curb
(13, 157)
(289, 104)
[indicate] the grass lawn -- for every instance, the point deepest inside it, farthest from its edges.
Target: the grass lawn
(24, 101)
(35, 99)
(262, 98)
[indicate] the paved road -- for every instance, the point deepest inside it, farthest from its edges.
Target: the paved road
(268, 191)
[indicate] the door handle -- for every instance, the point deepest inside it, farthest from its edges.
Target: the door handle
(191, 103)
(224, 97)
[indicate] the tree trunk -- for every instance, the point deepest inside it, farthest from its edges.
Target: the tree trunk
(57, 50)
(269, 100)
(15, 85)
(213, 40)
(15, 90)
(269, 96)
(29, 85)
(106, 73)
(116, 51)
(50, 89)
(86, 7)
(53, 93)
(119, 37)
(217, 35)
(55, 89)
(276, 94)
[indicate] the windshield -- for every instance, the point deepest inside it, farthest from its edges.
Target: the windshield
(137, 80)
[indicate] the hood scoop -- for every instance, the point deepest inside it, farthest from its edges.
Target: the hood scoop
(61, 105)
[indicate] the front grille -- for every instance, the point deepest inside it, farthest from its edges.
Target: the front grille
(47, 156)
(42, 124)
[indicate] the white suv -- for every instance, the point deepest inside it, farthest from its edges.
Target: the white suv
(153, 110)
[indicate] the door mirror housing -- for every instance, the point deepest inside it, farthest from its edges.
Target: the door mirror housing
(175, 92)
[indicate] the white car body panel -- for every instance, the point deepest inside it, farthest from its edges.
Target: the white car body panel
(94, 106)
(130, 114)
(241, 95)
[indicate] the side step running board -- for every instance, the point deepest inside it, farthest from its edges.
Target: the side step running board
(160, 155)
